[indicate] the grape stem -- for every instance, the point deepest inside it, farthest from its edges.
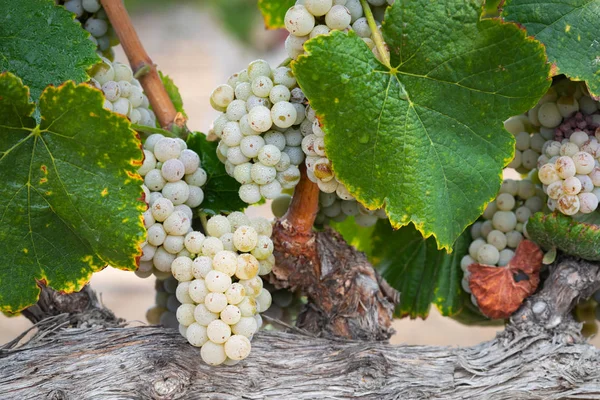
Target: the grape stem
(376, 33)
(148, 129)
(305, 204)
(142, 65)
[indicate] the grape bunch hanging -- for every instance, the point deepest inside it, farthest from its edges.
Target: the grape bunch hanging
(220, 288)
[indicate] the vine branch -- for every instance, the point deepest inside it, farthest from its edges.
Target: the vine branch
(305, 204)
(143, 67)
(377, 37)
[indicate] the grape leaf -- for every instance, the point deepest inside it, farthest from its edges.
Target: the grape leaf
(424, 137)
(419, 271)
(568, 29)
(273, 12)
(173, 92)
(70, 199)
(497, 292)
(43, 44)
(220, 190)
(557, 230)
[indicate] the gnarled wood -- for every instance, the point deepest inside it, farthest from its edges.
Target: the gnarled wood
(155, 363)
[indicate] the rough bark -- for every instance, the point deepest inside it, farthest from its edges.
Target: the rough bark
(347, 297)
(155, 363)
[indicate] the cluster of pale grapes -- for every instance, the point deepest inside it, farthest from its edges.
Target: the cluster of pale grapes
(220, 288)
(334, 208)
(123, 93)
(172, 185)
(93, 19)
(258, 130)
(166, 303)
(503, 226)
(529, 142)
(310, 18)
(570, 173)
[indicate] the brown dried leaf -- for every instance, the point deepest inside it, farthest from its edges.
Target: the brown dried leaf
(498, 294)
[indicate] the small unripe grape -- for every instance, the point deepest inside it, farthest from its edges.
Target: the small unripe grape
(505, 256)
(549, 115)
(505, 202)
(488, 254)
(504, 221)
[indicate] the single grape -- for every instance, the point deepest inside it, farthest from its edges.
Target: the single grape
(299, 21)
(213, 353)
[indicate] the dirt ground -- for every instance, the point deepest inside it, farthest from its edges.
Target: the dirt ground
(190, 46)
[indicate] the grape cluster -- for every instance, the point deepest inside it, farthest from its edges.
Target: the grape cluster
(258, 130)
(310, 18)
(172, 185)
(285, 307)
(528, 146)
(334, 208)
(122, 92)
(570, 173)
(93, 18)
(503, 227)
(220, 289)
(166, 303)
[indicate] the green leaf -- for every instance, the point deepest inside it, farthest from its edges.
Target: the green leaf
(419, 271)
(273, 12)
(557, 230)
(425, 137)
(220, 190)
(43, 44)
(173, 92)
(70, 199)
(569, 30)
(361, 238)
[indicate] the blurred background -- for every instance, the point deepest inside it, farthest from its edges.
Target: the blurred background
(200, 43)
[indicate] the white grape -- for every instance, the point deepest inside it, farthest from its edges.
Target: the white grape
(181, 268)
(213, 353)
(261, 86)
(218, 226)
(584, 162)
(250, 193)
(196, 334)
(247, 266)
(247, 327)
(185, 314)
(243, 91)
(245, 238)
(218, 331)
(217, 282)
(222, 96)
(215, 302)
(236, 109)
(96, 27)
(258, 68)
(172, 170)
(568, 204)
(197, 290)
(549, 115)
(270, 190)
(588, 202)
(173, 244)
(203, 315)
(177, 192)
(198, 178)
(177, 223)
(163, 259)
(247, 306)
(231, 314)
(338, 17)
(263, 174)
(283, 114)
(565, 167)
(259, 118)
(235, 294)
(166, 149)
(190, 161)
(242, 174)
(269, 155)
(299, 21)
(211, 246)
(263, 300)
(182, 293)
(195, 197)
(505, 256)
(237, 347)
(284, 76)
(488, 254)
(251, 145)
